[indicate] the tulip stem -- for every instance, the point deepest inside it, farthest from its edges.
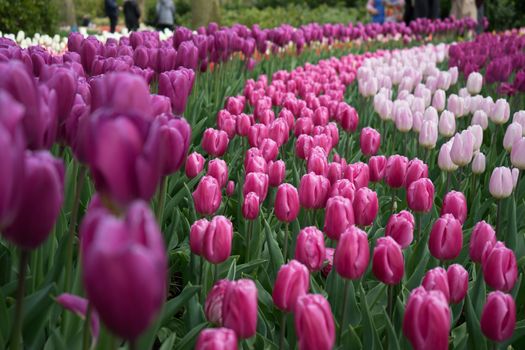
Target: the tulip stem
(16, 340)
(86, 331)
(418, 218)
(390, 305)
(283, 331)
(285, 255)
(80, 174)
(393, 200)
(161, 199)
(498, 222)
(343, 318)
(215, 272)
(448, 182)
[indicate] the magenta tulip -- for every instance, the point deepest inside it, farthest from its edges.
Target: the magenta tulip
(482, 240)
(395, 171)
(256, 182)
(293, 281)
(500, 269)
(369, 141)
(498, 318)
(215, 142)
(217, 339)
(377, 168)
(344, 188)
(213, 305)
(310, 248)
(313, 191)
(416, 170)
(197, 233)
(446, 238)
(455, 203)
(276, 173)
(457, 282)
(207, 196)
(217, 240)
(352, 254)
(420, 195)
(218, 169)
(312, 312)
(329, 261)
(239, 308)
(388, 263)
(194, 165)
(366, 206)
(400, 227)
(437, 279)
(286, 203)
(339, 215)
(250, 206)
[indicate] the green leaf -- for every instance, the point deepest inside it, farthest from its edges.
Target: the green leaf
(35, 313)
(370, 336)
(189, 339)
(169, 343)
(273, 247)
(475, 339)
(393, 342)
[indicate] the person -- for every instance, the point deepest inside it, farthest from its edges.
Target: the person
(112, 13)
(394, 10)
(376, 9)
(131, 14)
(165, 14)
(464, 8)
(415, 9)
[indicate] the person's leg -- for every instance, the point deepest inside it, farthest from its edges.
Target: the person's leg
(113, 24)
(421, 9)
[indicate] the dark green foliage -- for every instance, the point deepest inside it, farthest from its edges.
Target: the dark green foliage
(30, 16)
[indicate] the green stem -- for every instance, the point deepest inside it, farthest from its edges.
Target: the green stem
(286, 242)
(86, 330)
(215, 273)
(283, 331)
(418, 218)
(16, 340)
(498, 222)
(80, 173)
(390, 305)
(248, 244)
(447, 188)
(393, 200)
(343, 318)
(161, 200)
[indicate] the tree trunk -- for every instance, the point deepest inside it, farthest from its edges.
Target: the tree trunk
(142, 7)
(204, 11)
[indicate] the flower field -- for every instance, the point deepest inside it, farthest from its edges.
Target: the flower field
(322, 187)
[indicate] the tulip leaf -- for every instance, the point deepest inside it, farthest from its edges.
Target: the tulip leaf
(169, 343)
(511, 232)
(6, 321)
(232, 270)
(250, 266)
(519, 334)
(370, 336)
(55, 341)
(187, 342)
(476, 339)
(393, 342)
(273, 247)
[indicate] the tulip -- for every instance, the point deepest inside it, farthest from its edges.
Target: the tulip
(446, 238)
(416, 170)
(279, 131)
(254, 163)
(197, 234)
(369, 141)
(358, 173)
(377, 168)
(343, 188)
(388, 263)
(500, 185)
(515, 177)
(243, 124)
(235, 105)
(43, 176)
(482, 240)
(269, 149)
(447, 124)
(79, 306)
(256, 182)
(276, 173)
(239, 308)
(227, 123)
(230, 188)
(334, 172)
(217, 339)
(251, 206)
(339, 215)
(303, 126)
(420, 195)
(317, 162)
(310, 249)
(480, 118)
(329, 261)
(207, 196)
(194, 165)
(403, 116)
(498, 318)
(474, 83)
(457, 282)
(313, 191)
(517, 155)
(366, 206)
(395, 171)
(519, 117)
(417, 323)
(293, 281)
(218, 169)
(126, 256)
(347, 117)
(512, 135)
(437, 279)
(215, 142)
(303, 145)
(286, 206)
(312, 311)
(500, 112)
(428, 134)
(177, 85)
(213, 304)
(352, 254)
(439, 99)
(462, 148)
(400, 227)
(455, 203)
(478, 163)
(456, 105)
(445, 162)
(500, 269)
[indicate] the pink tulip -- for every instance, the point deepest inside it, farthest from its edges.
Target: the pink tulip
(500, 269)
(227, 123)
(388, 263)
(352, 254)
(420, 195)
(482, 240)
(213, 305)
(256, 182)
(500, 112)
(395, 171)
(235, 104)
(512, 134)
(517, 155)
(194, 165)
(239, 308)
(310, 249)
(218, 169)
(358, 173)
(447, 124)
(366, 206)
(255, 164)
(286, 203)
(217, 241)
(446, 238)
(478, 163)
(400, 227)
(217, 339)
(243, 124)
(416, 169)
(279, 131)
(480, 118)
(329, 261)
(455, 203)
(474, 83)
(250, 206)
(369, 141)
(339, 215)
(313, 191)
(197, 233)
(437, 279)
(207, 197)
(462, 148)
(293, 281)
(417, 323)
(312, 311)
(269, 149)
(215, 142)
(334, 172)
(79, 306)
(317, 161)
(377, 168)
(256, 134)
(303, 126)
(303, 145)
(344, 188)
(498, 318)
(500, 185)
(276, 173)
(457, 282)
(428, 134)
(445, 163)
(438, 100)
(230, 188)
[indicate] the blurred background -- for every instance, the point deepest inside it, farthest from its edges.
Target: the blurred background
(58, 16)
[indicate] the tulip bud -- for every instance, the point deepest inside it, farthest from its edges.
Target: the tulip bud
(498, 318)
(235, 105)
(227, 123)
(250, 206)
(377, 168)
(313, 191)
(416, 323)
(437, 279)
(197, 233)
(366, 206)
(243, 124)
(79, 306)
(500, 112)
(456, 105)
(218, 169)
(444, 160)
(177, 85)
(352, 254)
(500, 185)
(482, 240)
(217, 339)
(439, 99)
(312, 311)
(480, 118)
(239, 308)
(455, 203)
(256, 182)
(395, 171)
(43, 177)
(293, 281)
(207, 196)
(213, 305)
(276, 173)
(416, 170)
(369, 141)
(420, 195)
(512, 134)
(447, 124)
(517, 155)
(402, 116)
(269, 149)
(310, 248)
(194, 165)
(446, 238)
(457, 282)
(400, 227)
(474, 83)
(477, 132)
(500, 269)
(388, 263)
(286, 203)
(343, 188)
(478, 163)
(317, 162)
(339, 215)
(215, 142)
(329, 261)
(515, 177)
(428, 134)
(334, 172)
(462, 148)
